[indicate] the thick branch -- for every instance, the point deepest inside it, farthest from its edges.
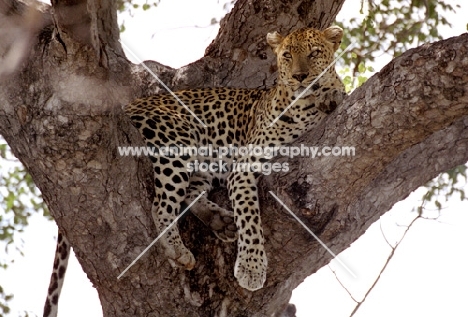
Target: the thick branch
(88, 22)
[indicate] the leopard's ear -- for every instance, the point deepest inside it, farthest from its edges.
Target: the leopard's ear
(334, 34)
(274, 39)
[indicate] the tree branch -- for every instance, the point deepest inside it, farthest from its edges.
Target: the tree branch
(389, 258)
(88, 22)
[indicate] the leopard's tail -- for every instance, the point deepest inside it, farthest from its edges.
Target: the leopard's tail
(62, 253)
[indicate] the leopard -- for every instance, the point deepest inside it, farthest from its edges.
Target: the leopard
(307, 89)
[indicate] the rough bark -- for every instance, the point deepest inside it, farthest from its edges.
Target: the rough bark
(60, 111)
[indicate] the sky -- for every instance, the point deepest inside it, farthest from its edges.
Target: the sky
(427, 276)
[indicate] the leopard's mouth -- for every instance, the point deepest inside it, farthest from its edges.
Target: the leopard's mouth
(302, 90)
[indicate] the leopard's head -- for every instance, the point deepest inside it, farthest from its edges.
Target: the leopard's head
(303, 55)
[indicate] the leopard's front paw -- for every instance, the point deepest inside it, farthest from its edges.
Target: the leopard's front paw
(250, 270)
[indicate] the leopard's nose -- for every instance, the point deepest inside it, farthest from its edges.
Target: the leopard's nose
(300, 76)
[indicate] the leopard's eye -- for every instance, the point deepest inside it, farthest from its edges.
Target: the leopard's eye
(314, 53)
(287, 55)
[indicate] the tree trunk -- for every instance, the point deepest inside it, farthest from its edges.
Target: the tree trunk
(61, 94)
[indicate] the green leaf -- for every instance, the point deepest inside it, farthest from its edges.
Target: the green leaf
(361, 80)
(362, 68)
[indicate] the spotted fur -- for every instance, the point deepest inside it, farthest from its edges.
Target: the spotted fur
(238, 117)
(62, 253)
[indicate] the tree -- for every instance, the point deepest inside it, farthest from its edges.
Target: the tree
(61, 95)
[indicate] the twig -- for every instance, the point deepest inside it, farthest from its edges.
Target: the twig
(342, 285)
